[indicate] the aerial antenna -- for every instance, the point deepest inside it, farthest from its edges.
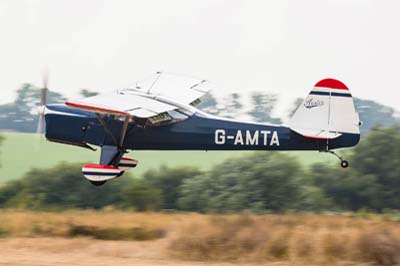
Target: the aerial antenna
(193, 87)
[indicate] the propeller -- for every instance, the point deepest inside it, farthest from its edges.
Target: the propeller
(43, 102)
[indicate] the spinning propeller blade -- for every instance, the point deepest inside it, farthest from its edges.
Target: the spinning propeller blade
(43, 102)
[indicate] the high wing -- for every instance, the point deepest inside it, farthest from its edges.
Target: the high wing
(180, 89)
(121, 103)
(149, 99)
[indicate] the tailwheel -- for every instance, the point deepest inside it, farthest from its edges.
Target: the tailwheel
(343, 162)
(97, 183)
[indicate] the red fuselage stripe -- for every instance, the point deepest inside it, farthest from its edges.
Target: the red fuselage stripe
(94, 108)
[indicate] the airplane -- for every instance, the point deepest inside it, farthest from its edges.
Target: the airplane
(159, 115)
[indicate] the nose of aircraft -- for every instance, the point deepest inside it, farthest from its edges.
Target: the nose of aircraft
(42, 110)
(64, 124)
(41, 119)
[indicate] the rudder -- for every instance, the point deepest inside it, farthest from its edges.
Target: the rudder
(327, 112)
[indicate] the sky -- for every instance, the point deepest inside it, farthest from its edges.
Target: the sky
(281, 47)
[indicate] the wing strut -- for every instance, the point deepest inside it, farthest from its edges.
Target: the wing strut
(107, 129)
(124, 129)
(109, 132)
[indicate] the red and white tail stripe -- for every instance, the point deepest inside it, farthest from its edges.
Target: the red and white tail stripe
(332, 83)
(331, 87)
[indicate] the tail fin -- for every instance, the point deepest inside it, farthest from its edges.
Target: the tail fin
(327, 112)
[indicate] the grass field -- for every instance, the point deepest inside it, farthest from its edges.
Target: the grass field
(121, 238)
(22, 152)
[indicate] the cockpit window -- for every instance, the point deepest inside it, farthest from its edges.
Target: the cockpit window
(177, 115)
(160, 119)
(167, 118)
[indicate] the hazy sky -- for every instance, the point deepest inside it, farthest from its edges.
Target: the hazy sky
(277, 46)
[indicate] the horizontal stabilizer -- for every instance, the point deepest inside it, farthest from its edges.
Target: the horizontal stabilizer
(317, 134)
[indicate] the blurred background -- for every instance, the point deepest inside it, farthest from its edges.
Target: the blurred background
(187, 208)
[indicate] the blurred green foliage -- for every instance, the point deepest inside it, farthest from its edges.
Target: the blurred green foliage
(168, 181)
(373, 113)
(1, 140)
(258, 182)
(139, 195)
(373, 180)
(263, 105)
(59, 187)
(22, 114)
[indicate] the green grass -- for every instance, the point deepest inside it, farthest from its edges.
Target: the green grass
(22, 152)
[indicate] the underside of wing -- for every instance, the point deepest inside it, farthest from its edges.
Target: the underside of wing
(122, 104)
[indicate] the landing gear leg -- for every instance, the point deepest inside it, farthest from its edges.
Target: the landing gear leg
(112, 154)
(343, 162)
(110, 157)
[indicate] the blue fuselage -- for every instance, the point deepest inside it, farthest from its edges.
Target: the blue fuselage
(198, 132)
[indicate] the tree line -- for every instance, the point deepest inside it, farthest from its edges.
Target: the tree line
(260, 182)
(21, 115)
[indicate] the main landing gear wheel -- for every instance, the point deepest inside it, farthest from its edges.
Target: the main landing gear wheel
(97, 183)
